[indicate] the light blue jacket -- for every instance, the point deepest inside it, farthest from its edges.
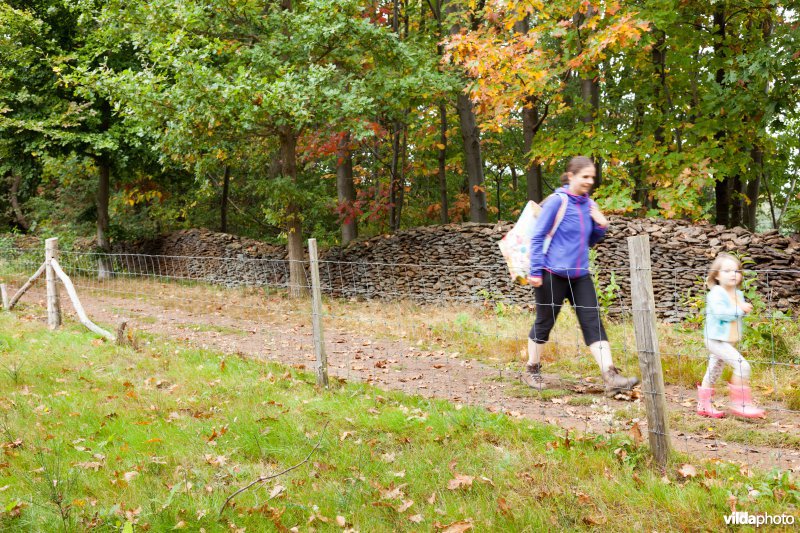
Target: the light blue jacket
(720, 312)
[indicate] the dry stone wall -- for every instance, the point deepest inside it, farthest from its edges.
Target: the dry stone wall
(462, 263)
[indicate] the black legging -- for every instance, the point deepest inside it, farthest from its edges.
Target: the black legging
(580, 293)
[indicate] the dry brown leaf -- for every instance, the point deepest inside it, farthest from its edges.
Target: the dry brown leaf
(460, 481)
(502, 504)
(392, 494)
(636, 433)
(456, 527)
(583, 498)
(340, 521)
(432, 499)
(90, 465)
(417, 518)
(687, 471)
(405, 506)
(276, 491)
(128, 476)
(594, 520)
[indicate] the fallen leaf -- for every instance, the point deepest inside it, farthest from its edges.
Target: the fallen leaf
(502, 504)
(276, 491)
(405, 506)
(594, 520)
(417, 518)
(432, 499)
(90, 465)
(687, 471)
(128, 476)
(455, 527)
(180, 525)
(583, 498)
(394, 493)
(636, 433)
(460, 481)
(340, 521)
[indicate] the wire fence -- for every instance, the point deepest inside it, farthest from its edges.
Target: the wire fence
(455, 336)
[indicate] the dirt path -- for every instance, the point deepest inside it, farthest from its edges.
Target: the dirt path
(402, 366)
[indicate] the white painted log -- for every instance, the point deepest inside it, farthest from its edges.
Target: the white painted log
(76, 303)
(4, 296)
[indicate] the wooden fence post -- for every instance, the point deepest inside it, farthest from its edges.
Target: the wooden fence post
(53, 304)
(644, 324)
(316, 316)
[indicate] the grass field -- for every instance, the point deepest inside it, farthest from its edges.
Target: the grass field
(96, 436)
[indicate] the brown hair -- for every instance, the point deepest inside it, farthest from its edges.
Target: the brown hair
(576, 164)
(713, 270)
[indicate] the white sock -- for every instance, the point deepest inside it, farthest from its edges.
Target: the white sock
(535, 351)
(601, 350)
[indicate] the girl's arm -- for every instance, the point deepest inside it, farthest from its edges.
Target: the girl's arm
(543, 225)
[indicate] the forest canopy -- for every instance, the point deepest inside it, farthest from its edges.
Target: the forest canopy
(286, 119)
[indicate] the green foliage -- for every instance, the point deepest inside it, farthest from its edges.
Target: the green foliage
(607, 295)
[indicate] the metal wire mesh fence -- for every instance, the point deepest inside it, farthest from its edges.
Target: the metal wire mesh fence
(453, 336)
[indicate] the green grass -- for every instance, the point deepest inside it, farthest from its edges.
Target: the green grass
(96, 436)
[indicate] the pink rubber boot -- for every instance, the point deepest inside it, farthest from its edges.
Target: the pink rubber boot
(704, 405)
(742, 402)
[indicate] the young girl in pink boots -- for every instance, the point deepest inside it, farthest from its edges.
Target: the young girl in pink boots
(725, 307)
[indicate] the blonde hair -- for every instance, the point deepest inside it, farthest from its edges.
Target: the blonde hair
(576, 164)
(716, 266)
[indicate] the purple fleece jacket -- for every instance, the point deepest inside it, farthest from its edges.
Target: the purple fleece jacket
(568, 255)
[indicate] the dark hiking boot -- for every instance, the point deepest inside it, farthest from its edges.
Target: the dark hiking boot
(616, 382)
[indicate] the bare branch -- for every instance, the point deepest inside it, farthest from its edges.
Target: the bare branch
(267, 478)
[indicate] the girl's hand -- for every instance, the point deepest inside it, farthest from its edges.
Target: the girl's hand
(597, 215)
(534, 281)
(744, 306)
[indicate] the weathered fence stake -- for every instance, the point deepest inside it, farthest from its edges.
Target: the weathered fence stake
(53, 304)
(316, 315)
(644, 324)
(4, 296)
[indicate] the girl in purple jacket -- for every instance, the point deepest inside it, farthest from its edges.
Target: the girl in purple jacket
(560, 270)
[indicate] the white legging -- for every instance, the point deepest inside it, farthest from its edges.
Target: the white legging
(723, 352)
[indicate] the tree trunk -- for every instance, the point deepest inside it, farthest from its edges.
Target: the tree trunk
(401, 185)
(737, 196)
(16, 179)
(471, 135)
(443, 212)
(530, 125)
(223, 208)
(590, 94)
(393, 185)
(298, 285)
(105, 267)
(754, 188)
(722, 188)
(533, 170)
(474, 163)
(346, 189)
